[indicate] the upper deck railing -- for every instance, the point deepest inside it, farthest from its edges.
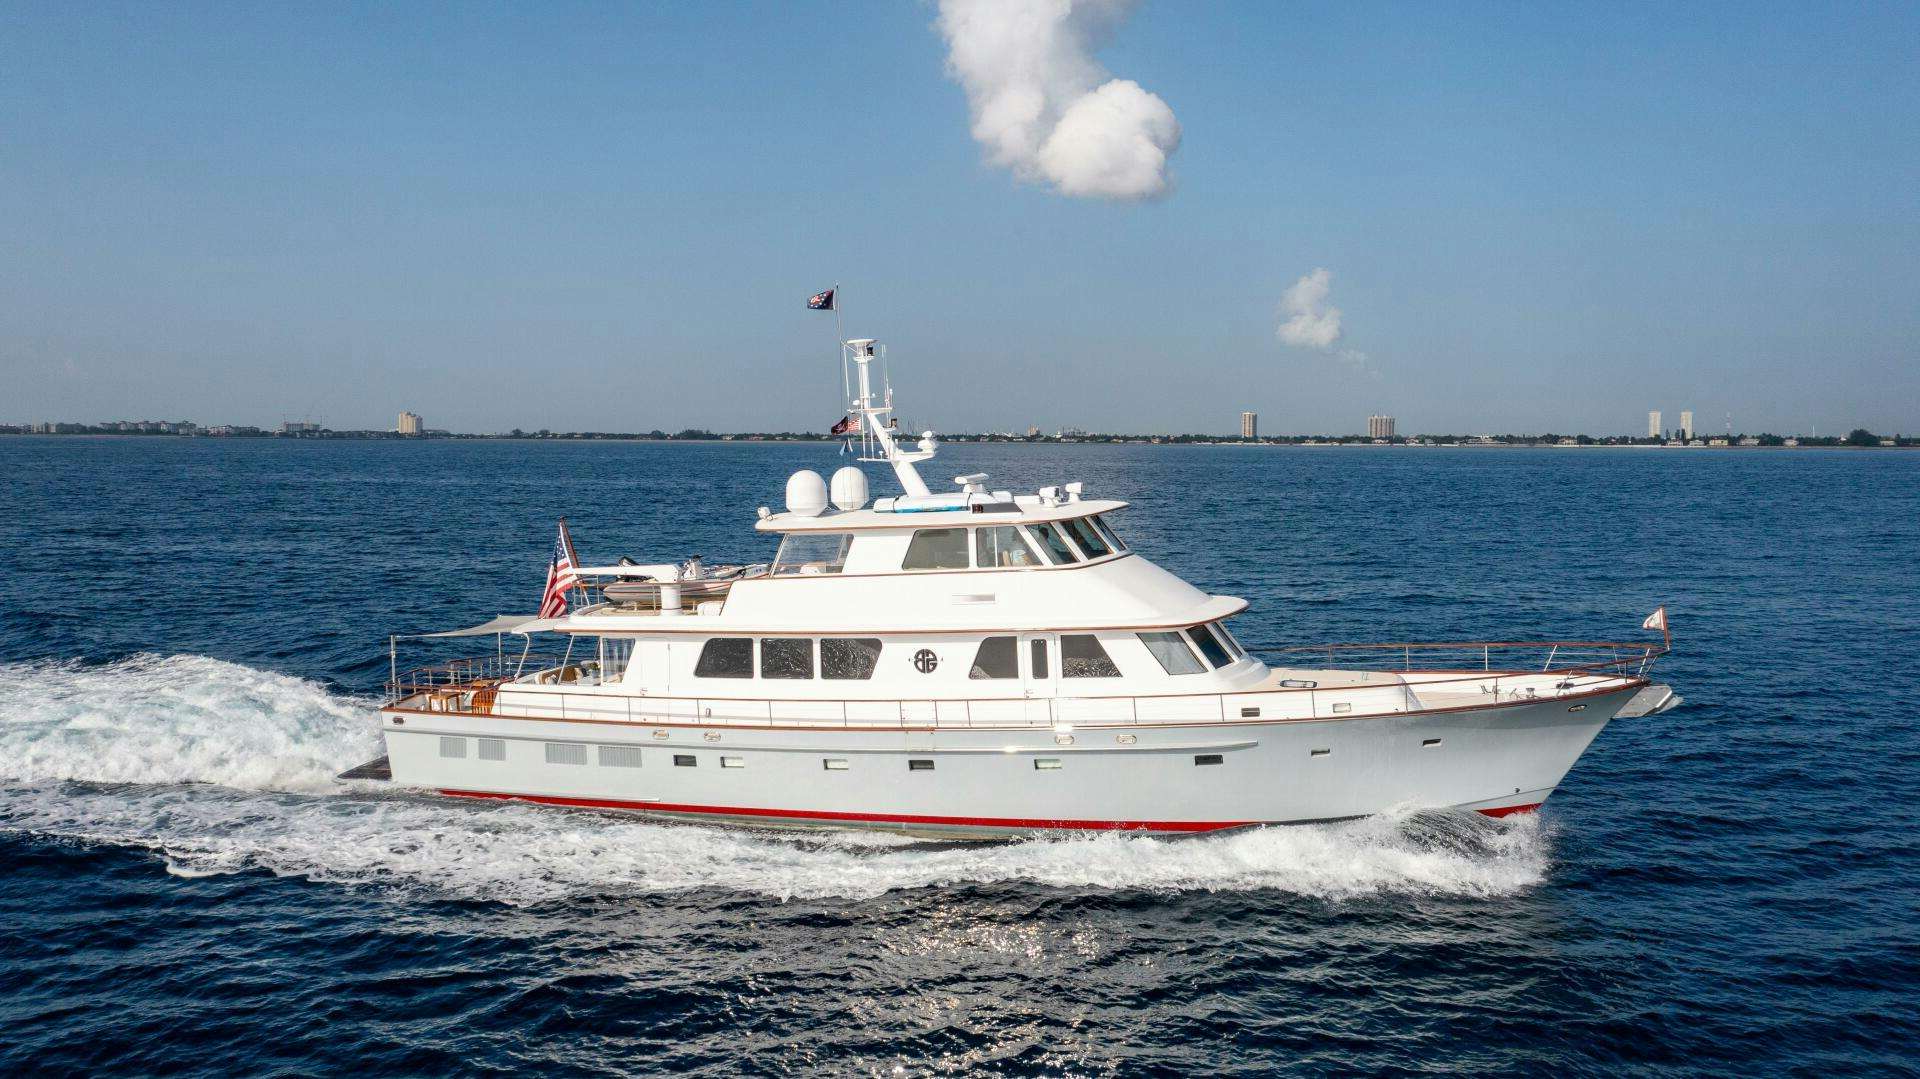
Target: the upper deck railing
(1441, 675)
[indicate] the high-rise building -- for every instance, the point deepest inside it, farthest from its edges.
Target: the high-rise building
(1686, 423)
(410, 424)
(1379, 426)
(1653, 424)
(1249, 425)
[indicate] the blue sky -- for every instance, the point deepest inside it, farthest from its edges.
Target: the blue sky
(609, 217)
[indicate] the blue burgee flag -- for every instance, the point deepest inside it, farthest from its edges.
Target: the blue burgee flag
(820, 301)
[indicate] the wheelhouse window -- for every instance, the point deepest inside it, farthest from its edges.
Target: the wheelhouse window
(849, 658)
(1209, 646)
(998, 657)
(1002, 547)
(1055, 545)
(725, 657)
(1082, 657)
(937, 548)
(1172, 652)
(786, 657)
(1107, 533)
(809, 553)
(1088, 539)
(1226, 638)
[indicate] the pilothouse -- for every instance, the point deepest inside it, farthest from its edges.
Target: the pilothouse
(976, 661)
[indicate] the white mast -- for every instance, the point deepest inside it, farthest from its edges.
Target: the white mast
(873, 425)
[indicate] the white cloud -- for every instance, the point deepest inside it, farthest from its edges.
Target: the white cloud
(1310, 321)
(1044, 108)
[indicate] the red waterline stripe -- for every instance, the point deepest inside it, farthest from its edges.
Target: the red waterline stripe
(1505, 811)
(875, 818)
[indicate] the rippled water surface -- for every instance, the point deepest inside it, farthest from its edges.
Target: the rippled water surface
(191, 634)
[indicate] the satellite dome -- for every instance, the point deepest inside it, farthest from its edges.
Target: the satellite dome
(806, 494)
(849, 488)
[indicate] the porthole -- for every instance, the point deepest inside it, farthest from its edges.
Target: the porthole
(1046, 764)
(1343, 707)
(733, 762)
(834, 764)
(1127, 739)
(1249, 713)
(1318, 752)
(1208, 758)
(919, 766)
(1430, 743)
(683, 760)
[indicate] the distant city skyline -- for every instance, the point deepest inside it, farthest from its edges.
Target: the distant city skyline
(548, 218)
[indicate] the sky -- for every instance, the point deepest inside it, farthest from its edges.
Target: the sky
(1138, 218)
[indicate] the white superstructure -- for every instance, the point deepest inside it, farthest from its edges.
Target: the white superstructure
(977, 661)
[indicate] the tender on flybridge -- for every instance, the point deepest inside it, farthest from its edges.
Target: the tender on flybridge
(977, 661)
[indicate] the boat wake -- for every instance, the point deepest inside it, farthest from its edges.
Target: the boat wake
(221, 768)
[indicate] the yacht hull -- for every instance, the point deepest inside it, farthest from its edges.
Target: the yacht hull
(971, 782)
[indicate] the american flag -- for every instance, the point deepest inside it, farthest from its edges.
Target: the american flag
(849, 423)
(561, 577)
(821, 301)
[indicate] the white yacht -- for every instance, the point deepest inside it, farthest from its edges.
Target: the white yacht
(979, 662)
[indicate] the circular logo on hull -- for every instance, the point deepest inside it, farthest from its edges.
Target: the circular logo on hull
(925, 661)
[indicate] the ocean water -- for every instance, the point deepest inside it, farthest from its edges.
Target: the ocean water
(192, 634)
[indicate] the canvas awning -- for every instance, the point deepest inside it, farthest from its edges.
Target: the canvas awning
(505, 623)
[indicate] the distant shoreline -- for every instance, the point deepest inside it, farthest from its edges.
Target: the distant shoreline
(1514, 442)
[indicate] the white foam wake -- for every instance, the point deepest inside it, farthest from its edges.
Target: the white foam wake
(177, 719)
(269, 745)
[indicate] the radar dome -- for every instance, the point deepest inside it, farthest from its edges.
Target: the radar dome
(806, 493)
(849, 488)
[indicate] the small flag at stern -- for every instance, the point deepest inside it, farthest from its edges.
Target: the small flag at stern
(821, 301)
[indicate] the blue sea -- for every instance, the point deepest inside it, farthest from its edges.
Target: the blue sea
(192, 637)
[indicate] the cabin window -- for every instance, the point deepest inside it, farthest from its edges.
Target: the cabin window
(1226, 638)
(1086, 537)
(808, 553)
(1040, 660)
(1082, 657)
(1172, 652)
(1107, 533)
(786, 657)
(1055, 545)
(849, 657)
(937, 548)
(619, 756)
(1209, 646)
(1001, 548)
(566, 753)
(683, 760)
(919, 766)
(725, 657)
(998, 658)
